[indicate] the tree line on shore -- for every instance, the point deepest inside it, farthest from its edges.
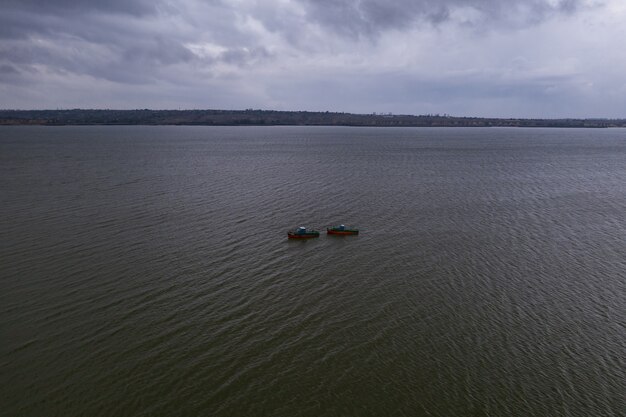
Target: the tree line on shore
(251, 117)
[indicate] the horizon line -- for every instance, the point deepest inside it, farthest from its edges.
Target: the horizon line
(382, 114)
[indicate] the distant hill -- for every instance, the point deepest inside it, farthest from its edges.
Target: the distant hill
(274, 118)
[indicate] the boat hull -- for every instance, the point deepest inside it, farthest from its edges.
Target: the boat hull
(342, 232)
(302, 235)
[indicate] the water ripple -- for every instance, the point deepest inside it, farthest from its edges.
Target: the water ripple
(146, 271)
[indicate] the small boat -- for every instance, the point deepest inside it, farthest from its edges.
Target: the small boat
(342, 230)
(302, 233)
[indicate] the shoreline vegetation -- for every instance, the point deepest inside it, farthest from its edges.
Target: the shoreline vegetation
(251, 117)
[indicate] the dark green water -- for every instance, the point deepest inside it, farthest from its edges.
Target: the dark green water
(145, 271)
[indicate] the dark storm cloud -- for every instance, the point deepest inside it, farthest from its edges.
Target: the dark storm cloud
(128, 41)
(23, 18)
(344, 55)
(8, 72)
(243, 56)
(70, 7)
(137, 62)
(370, 17)
(8, 69)
(103, 39)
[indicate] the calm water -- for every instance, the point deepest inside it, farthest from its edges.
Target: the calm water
(145, 271)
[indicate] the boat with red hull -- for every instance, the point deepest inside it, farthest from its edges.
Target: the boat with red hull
(302, 233)
(342, 230)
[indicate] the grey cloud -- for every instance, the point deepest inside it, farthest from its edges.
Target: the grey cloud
(244, 56)
(8, 69)
(116, 33)
(370, 17)
(8, 72)
(157, 51)
(250, 53)
(127, 41)
(138, 62)
(405, 93)
(102, 39)
(71, 7)
(21, 19)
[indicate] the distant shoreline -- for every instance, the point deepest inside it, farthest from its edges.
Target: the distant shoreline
(250, 117)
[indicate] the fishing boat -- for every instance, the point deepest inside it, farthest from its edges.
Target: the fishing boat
(302, 233)
(342, 230)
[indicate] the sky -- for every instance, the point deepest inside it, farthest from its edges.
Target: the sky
(485, 58)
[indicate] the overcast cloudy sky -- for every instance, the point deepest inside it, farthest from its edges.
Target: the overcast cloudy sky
(517, 58)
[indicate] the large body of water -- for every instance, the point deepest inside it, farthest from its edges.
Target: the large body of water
(145, 271)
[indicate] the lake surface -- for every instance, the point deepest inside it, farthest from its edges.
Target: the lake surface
(145, 271)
